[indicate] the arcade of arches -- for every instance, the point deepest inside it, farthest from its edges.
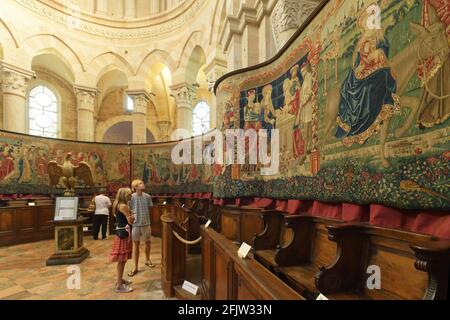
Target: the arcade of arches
(95, 55)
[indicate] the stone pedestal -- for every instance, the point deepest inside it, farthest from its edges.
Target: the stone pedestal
(69, 243)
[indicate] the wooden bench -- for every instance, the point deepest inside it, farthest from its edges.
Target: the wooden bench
(300, 260)
(412, 266)
(226, 276)
(240, 224)
(274, 235)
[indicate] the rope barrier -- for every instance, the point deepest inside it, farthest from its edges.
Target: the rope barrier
(186, 241)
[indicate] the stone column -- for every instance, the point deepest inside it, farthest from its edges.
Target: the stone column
(213, 73)
(154, 7)
(101, 6)
(86, 99)
(14, 85)
(184, 95)
(141, 100)
(169, 4)
(266, 41)
(164, 129)
(235, 53)
(250, 44)
(130, 9)
(288, 16)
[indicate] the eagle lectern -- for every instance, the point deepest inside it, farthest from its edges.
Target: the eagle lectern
(68, 225)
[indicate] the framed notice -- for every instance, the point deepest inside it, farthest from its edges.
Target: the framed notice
(66, 208)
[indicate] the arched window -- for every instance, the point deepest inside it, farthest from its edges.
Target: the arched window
(201, 119)
(42, 112)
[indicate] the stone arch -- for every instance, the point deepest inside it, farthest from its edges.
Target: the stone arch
(121, 132)
(217, 21)
(52, 60)
(102, 127)
(150, 136)
(151, 58)
(194, 62)
(111, 78)
(194, 40)
(49, 43)
(7, 35)
(96, 67)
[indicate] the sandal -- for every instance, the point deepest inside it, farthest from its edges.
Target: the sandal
(133, 273)
(149, 264)
(123, 289)
(125, 282)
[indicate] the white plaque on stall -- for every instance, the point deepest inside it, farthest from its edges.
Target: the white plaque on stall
(321, 297)
(244, 250)
(207, 224)
(190, 287)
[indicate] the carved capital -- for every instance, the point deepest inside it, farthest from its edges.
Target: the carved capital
(214, 75)
(184, 95)
(164, 129)
(141, 100)
(288, 15)
(15, 80)
(85, 97)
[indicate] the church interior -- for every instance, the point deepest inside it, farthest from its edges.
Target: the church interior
(224, 150)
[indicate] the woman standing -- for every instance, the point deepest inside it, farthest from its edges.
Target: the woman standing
(122, 245)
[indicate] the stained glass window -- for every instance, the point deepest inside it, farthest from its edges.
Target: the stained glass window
(201, 119)
(42, 112)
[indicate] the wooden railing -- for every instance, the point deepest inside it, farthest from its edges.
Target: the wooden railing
(226, 276)
(173, 261)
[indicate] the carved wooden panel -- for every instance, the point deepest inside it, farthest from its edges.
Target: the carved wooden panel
(287, 235)
(324, 250)
(155, 215)
(207, 265)
(45, 217)
(25, 218)
(398, 273)
(251, 224)
(230, 226)
(6, 221)
(222, 278)
(243, 290)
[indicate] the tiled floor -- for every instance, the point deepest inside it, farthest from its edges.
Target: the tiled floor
(23, 274)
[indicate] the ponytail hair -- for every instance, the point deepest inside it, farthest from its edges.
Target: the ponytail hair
(121, 198)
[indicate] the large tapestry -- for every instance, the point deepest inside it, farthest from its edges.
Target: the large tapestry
(155, 165)
(24, 164)
(361, 102)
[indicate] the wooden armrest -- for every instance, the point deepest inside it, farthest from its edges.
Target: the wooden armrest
(269, 238)
(299, 250)
(347, 272)
(297, 218)
(433, 257)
